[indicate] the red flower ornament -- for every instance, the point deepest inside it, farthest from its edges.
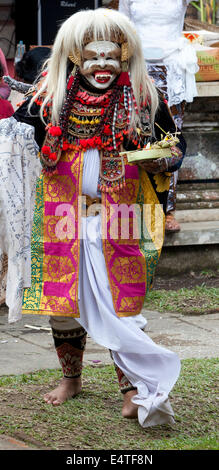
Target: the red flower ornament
(46, 150)
(53, 156)
(107, 130)
(55, 131)
(65, 146)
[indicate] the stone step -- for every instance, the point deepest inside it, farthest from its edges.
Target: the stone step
(196, 215)
(194, 233)
(201, 205)
(196, 198)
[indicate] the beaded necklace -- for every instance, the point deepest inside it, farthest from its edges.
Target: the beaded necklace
(90, 120)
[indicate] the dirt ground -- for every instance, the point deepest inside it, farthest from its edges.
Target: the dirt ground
(80, 424)
(187, 280)
(25, 416)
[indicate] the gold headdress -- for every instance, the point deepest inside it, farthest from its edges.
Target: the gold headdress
(76, 57)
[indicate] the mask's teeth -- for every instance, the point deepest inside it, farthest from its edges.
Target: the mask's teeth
(102, 75)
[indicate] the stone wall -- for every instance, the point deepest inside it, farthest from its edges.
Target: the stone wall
(198, 183)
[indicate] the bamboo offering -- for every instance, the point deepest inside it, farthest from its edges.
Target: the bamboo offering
(159, 149)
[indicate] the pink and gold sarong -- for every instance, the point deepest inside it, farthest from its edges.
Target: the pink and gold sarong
(130, 259)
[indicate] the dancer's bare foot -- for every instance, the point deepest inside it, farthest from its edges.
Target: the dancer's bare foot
(68, 388)
(129, 409)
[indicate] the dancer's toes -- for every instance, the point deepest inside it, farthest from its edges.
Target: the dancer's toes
(52, 399)
(68, 388)
(129, 409)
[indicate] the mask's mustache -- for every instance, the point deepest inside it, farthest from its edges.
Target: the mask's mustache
(96, 68)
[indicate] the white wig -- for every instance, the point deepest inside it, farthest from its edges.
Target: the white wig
(71, 37)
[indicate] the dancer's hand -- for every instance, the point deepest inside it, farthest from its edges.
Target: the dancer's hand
(154, 166)
(159, 165)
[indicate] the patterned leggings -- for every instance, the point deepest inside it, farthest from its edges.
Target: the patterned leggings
(70, 341)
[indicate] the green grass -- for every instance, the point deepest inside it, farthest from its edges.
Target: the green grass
(200, 300)
(93, 419)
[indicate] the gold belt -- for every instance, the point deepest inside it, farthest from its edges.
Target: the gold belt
(89, 202)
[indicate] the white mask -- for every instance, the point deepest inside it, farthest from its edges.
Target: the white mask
(101, 63)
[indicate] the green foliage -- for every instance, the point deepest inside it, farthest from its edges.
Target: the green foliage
(207, 9)
(200, 300)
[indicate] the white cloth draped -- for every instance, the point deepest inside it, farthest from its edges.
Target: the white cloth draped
(159, 25)
(181, 69)
(152, 369)
(19, 169)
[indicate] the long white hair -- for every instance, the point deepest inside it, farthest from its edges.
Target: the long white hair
(100, 23)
